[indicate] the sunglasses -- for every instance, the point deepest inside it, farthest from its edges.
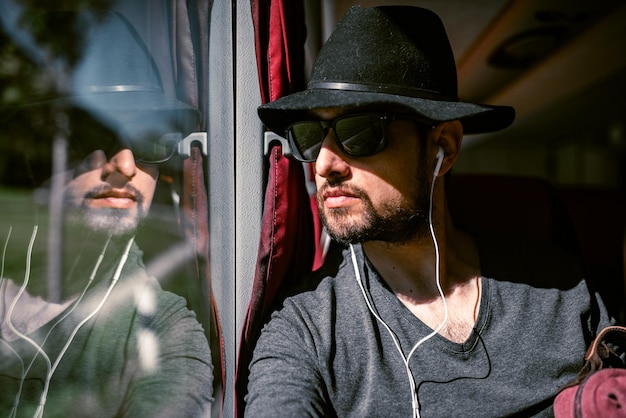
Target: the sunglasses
(148, 149)
(358, 135)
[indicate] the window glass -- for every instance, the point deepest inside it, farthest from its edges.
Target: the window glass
(100, 305)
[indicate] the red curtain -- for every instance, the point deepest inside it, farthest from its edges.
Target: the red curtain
(190, 46)
(286, 246)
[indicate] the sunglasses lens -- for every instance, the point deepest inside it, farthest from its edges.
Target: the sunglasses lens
(147, 149)
(150, 150)
(83, 142)
(306, 139)
(361, 135)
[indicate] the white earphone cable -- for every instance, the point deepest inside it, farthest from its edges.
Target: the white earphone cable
(414, 397)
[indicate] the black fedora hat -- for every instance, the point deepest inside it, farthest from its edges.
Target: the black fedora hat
(114, 77)
(389, 56)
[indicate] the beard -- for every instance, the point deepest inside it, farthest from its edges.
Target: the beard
(115, 222)
(393, 223)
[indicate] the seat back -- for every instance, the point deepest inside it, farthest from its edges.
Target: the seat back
(590, 223)
(599, 218)
(531, 207)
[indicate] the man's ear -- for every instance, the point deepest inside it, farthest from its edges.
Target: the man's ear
(448, 136)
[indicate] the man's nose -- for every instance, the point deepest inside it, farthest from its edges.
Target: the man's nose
(330, 160)
(123, 163)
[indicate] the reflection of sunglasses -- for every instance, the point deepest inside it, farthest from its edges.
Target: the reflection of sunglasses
(148, 149)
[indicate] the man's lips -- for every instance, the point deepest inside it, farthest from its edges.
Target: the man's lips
(336, 198)
(114, 199)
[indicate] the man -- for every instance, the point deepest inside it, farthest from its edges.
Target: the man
(415, 317)
(112, 343)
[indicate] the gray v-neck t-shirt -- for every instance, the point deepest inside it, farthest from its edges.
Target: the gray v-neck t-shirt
(325, 354)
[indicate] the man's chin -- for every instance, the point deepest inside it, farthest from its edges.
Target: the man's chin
(391, 230)
(114, 224)
(346, 234)
(114, 229)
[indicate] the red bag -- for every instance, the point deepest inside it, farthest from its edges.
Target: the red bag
(600, 387)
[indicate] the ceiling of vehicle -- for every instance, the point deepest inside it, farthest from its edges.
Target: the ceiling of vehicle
(560, 63)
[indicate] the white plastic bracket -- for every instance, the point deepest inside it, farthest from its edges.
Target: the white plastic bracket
(269, 137)
(184, 146)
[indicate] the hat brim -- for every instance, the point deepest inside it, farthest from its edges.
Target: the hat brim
(133, 105)
(152, 110)
(475, 118)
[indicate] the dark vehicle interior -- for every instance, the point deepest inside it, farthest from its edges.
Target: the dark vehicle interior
(560, 65)
(557, 173)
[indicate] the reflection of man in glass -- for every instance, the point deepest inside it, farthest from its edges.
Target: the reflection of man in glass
(114, 343)
(111, 193)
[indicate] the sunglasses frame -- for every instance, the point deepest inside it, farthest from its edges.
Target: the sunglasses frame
(385, 119)
(177, 137)
(116, 144)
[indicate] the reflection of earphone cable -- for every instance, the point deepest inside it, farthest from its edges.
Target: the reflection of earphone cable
(68, 313)
(414, 397)
(116, 276)
(2, 286)
(4, 254)
(51, 368)
(17, 297)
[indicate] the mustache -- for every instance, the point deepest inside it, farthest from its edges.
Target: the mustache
(104, 189)
(341, 187)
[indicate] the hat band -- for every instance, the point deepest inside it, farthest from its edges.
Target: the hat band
(120, 88)
(378, 88)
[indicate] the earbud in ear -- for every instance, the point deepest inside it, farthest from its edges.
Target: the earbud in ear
(440, 155)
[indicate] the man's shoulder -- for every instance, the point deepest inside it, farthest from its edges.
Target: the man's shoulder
(321, 287)
(328, 276)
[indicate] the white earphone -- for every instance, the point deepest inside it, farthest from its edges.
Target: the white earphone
(440, 155)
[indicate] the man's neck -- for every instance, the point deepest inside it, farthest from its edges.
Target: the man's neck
(83, 255)
(409, 269)
(26, 312)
